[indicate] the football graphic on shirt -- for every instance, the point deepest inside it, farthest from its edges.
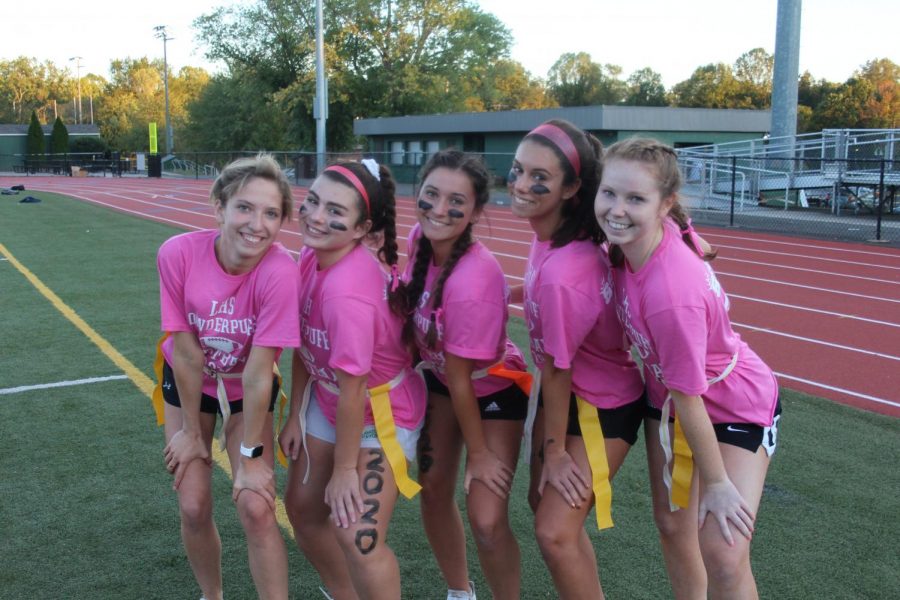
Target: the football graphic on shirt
(221, 344)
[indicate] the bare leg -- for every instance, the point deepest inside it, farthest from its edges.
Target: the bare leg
(564, 543)
(537, 460)
(728, 567)
(677, 530)
(373, 566)
(440, 447)
(488, 513)
(308, 513)
(265, 546)
(198, 530)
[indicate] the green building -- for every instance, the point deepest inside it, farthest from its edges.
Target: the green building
(13, 141)
(405, 142)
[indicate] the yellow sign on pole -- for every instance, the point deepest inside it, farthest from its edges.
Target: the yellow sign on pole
(152, 138)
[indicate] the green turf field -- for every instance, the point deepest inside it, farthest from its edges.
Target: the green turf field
(87, 511)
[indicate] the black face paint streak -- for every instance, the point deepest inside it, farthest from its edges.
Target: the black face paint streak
(539, 190)
(511, 177)
(369, 516)
(455, 214)
(303, 209)
(366, 540)
(337, 226)
(425, 206)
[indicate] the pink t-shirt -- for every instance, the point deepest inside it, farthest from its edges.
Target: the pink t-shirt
(676, 315)
(570, 316)
(228, 313)
(474, 318)
(346, 324)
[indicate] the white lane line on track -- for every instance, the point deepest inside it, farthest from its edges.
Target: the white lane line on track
(839, 390)
(855, 263)
(818, 271)
(815, 341)
(58, 384)
(806, 246)
(809, 287)
(816, 310)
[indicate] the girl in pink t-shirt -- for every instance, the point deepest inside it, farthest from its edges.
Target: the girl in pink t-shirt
(229, 304)
(725, 398)
(356, 402)
(593, 401)
(459, 326)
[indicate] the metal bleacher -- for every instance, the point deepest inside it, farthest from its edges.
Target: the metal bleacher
(827, 178)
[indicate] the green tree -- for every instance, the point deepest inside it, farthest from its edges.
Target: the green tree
(59, 139)
(709, 86)
(753, 74)
(869, 99)
(384, 57)
(575, 80)
(34, 143)
(645, 88)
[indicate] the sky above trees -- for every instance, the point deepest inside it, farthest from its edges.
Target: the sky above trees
(672, 38)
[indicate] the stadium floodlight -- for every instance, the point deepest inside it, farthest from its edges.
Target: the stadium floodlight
(163, 35)
(78, 109)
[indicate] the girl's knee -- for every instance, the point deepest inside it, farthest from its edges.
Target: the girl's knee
(725, 564)
(254, 512)
(487, 530)
(196, 511)
(550, 536)
(674, 524)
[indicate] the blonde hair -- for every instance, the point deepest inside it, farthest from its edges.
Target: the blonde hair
(239, 172)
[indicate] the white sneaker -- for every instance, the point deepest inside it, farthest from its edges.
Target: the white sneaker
(462, 594)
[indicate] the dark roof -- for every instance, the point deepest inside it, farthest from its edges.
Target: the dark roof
(594, 118)
(18, 129)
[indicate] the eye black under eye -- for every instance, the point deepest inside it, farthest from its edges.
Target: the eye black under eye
(511, 176)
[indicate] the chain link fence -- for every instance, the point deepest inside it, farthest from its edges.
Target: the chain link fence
(853, 199)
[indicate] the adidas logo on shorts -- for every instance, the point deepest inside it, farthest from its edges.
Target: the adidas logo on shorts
(492, 407)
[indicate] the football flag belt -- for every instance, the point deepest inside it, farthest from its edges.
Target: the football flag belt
(678, 453)
(385, 429)
(594, 445)
(522, 379)
(221, 395)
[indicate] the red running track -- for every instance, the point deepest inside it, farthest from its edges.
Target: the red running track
(824, 315)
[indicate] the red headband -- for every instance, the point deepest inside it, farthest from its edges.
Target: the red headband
(353, 179)
(562, 141)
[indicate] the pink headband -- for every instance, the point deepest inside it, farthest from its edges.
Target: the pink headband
(353, 179)
(562, 141)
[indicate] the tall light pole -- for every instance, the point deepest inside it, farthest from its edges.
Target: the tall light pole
(78, 111)
(161, 34)
(320, 108)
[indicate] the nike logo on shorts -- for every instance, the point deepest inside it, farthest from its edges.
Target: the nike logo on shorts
(736, 430)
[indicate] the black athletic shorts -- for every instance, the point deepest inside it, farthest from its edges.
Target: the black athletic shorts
(208, 404)
(509, 404)
(622, 422)
(743, 435)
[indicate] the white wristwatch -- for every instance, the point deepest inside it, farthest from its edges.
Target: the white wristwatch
(254, 452)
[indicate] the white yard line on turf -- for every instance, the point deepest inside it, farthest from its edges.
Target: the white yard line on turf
(58, 384)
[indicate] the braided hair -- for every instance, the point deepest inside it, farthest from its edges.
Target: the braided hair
(578, 221)
(382, 211)
(664, 162)
(474, 169)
